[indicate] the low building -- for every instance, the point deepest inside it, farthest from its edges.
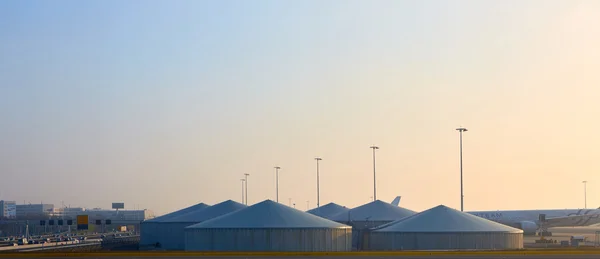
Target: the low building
(131, 215)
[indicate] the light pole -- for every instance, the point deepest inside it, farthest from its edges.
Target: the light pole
(461, 130)
(246, 182)
(277, 183)
(318, 201)
(585, 194)
(374, 183)
(243, 180)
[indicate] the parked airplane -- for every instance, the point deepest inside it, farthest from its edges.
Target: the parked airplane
(532, 221)
(396, 201)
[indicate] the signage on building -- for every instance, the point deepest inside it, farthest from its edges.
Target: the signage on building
(118, 205)
(82, 222)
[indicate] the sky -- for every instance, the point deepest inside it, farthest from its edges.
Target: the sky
(165, 104)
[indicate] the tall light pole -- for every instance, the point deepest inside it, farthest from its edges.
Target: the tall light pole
(243, 180)
(585, 194)
(318, 201)
(461, 130)
(246, 182)
(277, 183)
(374, 182)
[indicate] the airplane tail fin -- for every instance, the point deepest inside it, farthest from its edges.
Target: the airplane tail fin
(396, 201)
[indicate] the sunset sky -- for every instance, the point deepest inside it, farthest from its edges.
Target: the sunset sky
(164, 104)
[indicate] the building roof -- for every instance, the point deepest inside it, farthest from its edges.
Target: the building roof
(328, 210)
(198, 206)
(444, 219)
(208, 212)
(268, 214)
(373, 211)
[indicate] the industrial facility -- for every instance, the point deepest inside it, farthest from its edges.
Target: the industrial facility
(268, 226)
(443, 228)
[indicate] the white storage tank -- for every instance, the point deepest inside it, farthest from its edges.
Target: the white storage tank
(373, 214)
(328, 210)
(268, 226)
(171, 230)
(148, 228)
(443, 228)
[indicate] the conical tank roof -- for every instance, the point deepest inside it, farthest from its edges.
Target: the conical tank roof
(328, 210)
(208, 212)
(198, 206)
(268, 214)
(374, 211)
(443, 219)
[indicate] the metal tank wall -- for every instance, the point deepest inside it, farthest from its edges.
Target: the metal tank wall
(148, 234)
(276, 239)
(172, 234)
(387, 241)
(361, 228)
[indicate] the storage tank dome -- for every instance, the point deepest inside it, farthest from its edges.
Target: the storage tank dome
(328, 210)
(268, 226)
(171, 231)
(149, 230)
(442, 228)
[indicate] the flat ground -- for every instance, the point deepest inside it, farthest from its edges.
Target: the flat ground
(358, 257)
(559, 234)
(564, 234)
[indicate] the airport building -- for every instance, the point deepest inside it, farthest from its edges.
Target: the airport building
(125, 215)
(268, 226)
(8, 209)
(443, 228)
(34, 211)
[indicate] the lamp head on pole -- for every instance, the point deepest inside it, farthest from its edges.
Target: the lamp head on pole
(374, 147)
(318, 158)
(277, 167)
(461, 129)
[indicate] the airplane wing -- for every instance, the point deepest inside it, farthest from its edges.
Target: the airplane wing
(570, 221)
(396, 201)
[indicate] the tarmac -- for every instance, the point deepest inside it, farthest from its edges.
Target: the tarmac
(337, 257)
(556, 252)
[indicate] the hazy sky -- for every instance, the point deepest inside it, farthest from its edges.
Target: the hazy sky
(164, 104)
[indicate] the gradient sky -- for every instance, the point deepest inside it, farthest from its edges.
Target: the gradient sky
(164, 104)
